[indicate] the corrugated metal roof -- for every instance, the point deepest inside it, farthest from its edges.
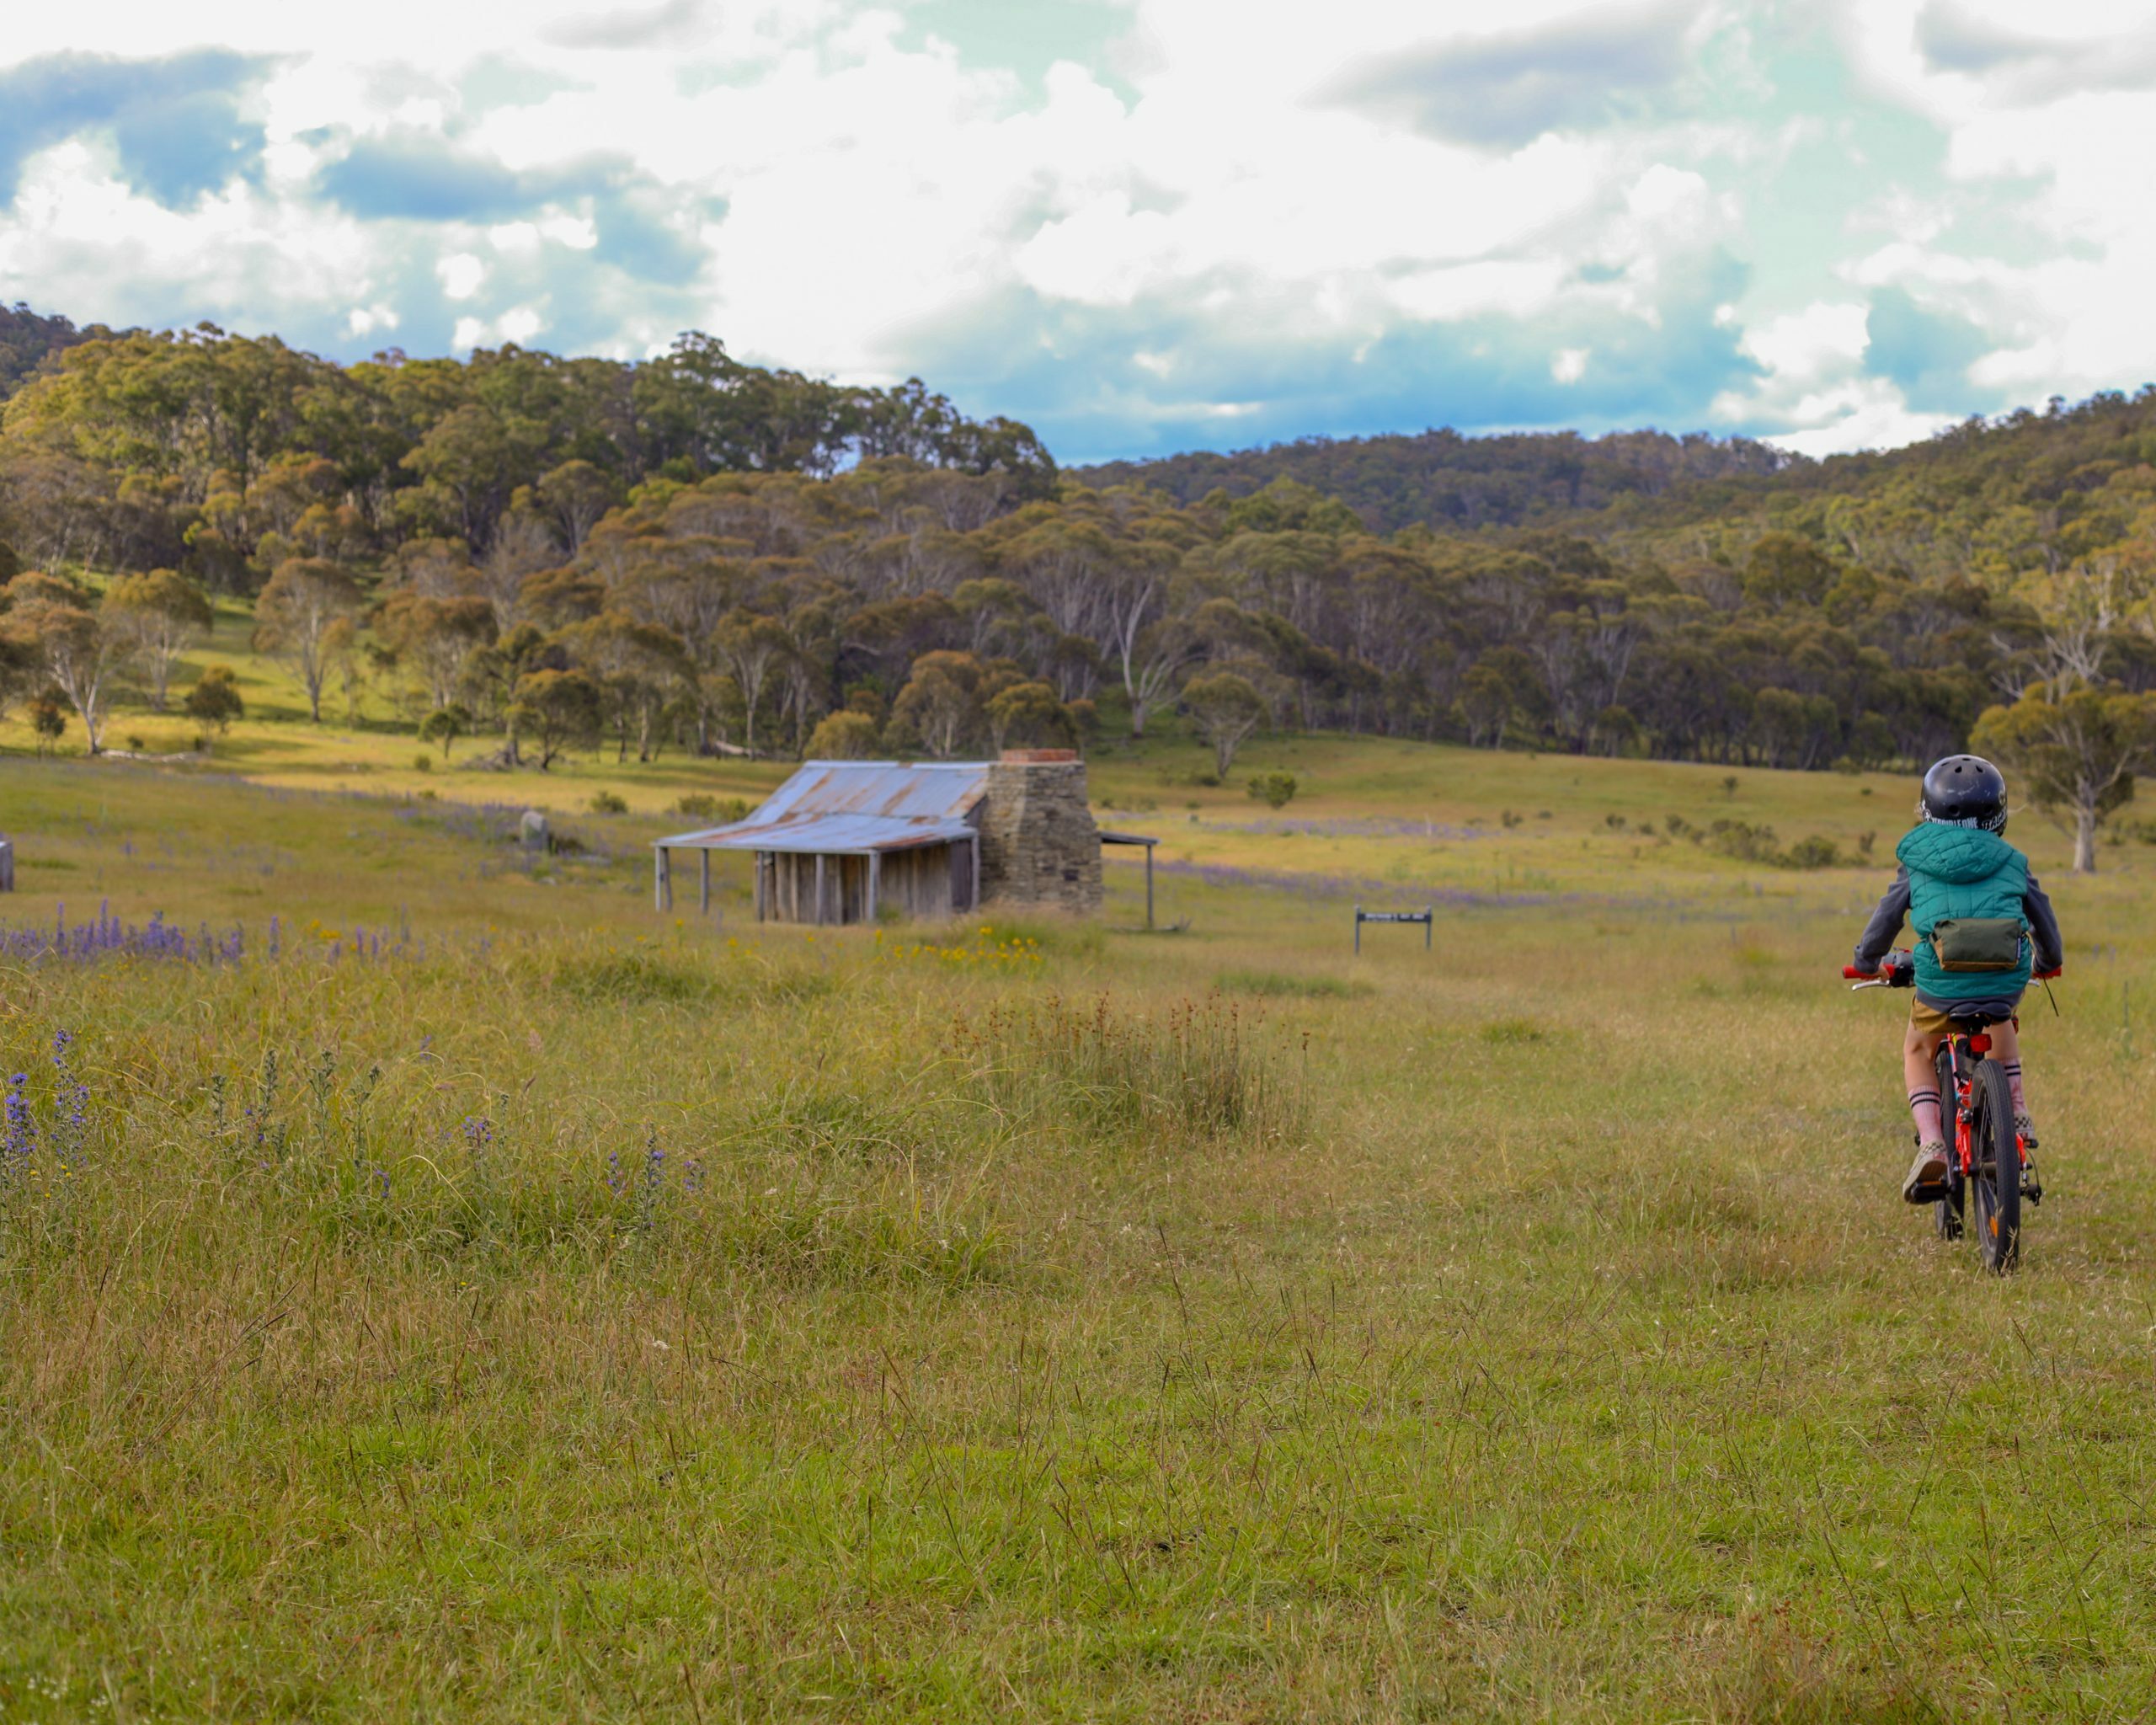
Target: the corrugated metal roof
(826, 833)
(854, 805)
(933, 790)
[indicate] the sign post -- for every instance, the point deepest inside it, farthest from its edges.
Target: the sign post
(1427, 918)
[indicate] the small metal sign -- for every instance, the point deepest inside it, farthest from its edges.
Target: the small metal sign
(1427, 918)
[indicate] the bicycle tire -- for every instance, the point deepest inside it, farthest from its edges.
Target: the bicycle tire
(1996, 1168)
(1948, 1213)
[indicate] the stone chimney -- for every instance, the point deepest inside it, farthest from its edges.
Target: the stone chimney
(1038, 846)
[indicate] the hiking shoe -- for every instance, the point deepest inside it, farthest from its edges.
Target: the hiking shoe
(1927, 1175)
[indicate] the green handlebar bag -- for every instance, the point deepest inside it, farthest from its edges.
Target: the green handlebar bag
(1978, 942)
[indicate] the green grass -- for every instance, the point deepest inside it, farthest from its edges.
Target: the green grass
(1058, 1323)
(1275, 985)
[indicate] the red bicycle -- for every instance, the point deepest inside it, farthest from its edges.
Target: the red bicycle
(1984, 1150)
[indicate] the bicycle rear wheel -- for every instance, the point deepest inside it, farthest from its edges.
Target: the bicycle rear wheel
(1995, 1168)
(1948, 1212)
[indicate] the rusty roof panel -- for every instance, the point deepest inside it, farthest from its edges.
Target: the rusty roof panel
(854, 805)
(825, 833)
(938, 790)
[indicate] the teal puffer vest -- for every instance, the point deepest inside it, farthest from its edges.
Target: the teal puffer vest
(1963, 871)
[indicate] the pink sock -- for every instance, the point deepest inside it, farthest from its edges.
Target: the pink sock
(2014, 1086)
(1923, 1108)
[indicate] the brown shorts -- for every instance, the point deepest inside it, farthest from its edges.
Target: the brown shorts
(1928, 1020)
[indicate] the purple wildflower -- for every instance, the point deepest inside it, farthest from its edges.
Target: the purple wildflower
(21, 1140)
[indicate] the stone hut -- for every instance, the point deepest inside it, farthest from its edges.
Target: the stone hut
(853, 840)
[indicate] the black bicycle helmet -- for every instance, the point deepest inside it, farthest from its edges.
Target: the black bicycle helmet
(1965, 790)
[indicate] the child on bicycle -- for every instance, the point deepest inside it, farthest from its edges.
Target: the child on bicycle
(1957, 871)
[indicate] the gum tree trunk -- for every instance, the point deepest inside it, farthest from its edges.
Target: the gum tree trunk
(2084, 835)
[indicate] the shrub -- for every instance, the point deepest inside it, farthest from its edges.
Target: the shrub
(1744, 842)
(845, 736)
(608, 803)
(1811, 852)
(48, 720)
(423, 763)
(1738, 839)
(1276, 790)
(445, 725)
(720, 811)
(215, 700)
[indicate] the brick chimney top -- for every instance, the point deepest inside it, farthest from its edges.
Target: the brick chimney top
(1038, 757)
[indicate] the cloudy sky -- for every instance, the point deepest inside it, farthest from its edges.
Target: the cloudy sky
(1140, 225)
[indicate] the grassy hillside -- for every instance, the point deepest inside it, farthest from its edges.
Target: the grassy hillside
(506, 1303)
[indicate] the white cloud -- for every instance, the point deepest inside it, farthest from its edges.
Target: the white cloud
(519, 325)
(461, 275)
(1523, 285)
(791, 175)
(1867, 414)
(1803, 345)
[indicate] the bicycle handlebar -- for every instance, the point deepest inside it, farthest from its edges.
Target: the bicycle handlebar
(1885, 974)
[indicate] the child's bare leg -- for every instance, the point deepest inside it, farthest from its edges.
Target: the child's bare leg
(1920, 1053)
(2006, 1049)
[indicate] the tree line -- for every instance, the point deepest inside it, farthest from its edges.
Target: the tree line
(1443, 479)
(691, 554)
(220, 455)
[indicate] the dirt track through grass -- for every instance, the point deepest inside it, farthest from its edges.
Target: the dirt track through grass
(604, 1317)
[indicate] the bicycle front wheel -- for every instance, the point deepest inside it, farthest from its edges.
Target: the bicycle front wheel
(1995, 1168)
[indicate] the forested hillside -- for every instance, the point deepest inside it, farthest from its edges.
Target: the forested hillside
(1444, 480)
(692, 552)
(26, 339)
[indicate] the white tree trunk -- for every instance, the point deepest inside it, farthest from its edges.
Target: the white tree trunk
(2084, 837)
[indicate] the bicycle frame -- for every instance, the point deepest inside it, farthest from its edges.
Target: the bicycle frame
(1964, 1049)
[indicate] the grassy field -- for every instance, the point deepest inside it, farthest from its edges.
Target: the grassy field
(504, 1302)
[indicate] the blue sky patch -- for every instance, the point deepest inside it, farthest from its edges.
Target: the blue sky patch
(177, 122)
